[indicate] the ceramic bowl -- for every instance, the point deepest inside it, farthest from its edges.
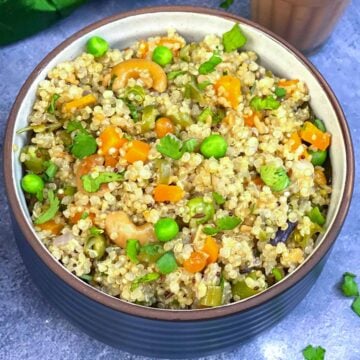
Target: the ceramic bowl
(177, 333)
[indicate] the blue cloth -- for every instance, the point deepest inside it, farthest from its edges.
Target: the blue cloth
(31, 329)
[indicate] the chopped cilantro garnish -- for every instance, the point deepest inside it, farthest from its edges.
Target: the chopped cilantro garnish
(280, 92)
(226, 4)
(74, 125)
(174, 74)
(314, 353)
(224, 223)
(52, 106)
(349, 286)
(203, 85)
(51, 210)
(172, 147)
(83, 145)
(144, 279)
(92, 184)
(209, 66)
(189, 145)
(233, 39)
(356, 306)
(267, 103)
(219, 199)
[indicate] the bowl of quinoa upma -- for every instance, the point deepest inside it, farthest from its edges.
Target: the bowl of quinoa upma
(177, 166)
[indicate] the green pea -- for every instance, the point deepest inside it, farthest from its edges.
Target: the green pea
(162, 55)
(200, 210)
(166, 229)
(36, 158)
(318, 157)
(32, 183)
(274, 177)
(95, 246)
(97, 46)
(214, 146)
(167, 263)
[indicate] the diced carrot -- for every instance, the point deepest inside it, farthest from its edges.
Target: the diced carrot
(319, 177)
(111, 160)
(257, 181)
(249, 120)
(164, 126)
(110, 139)
(172, 193)
(86, 100)
(295, 141)
(229, 87)
(311, 134)
(285, 83)
(196, 262)
(137, 151)
(51, 226)
(211, 248)
(78, 216)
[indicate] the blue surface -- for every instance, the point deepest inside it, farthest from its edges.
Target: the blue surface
(31, 329)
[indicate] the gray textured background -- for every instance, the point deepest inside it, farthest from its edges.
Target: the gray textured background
(31, 329)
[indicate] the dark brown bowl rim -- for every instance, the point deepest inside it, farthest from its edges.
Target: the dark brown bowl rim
(161, 314)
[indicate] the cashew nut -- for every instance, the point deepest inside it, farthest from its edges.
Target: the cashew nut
(120, 228)
(133, 68)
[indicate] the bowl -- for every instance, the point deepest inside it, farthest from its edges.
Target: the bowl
(177, 333)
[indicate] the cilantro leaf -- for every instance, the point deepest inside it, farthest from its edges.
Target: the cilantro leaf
(267, 103)
(228, 222)
(74, 125)
(170, 146)
(144, 279)
(189, 145)
(208, 230)
(356, 306)
(51, 210)
(280, 92)
(174, 74)
(226, 4)
(52, 106)
(314, 353)
(349, 286)
(83, 145)
(218, 198)
(203, 85)
(223, 223)
(209, 66)
(233, 39)
(91, 184)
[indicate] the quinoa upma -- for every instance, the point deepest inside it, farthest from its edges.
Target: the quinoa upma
(176, 175)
